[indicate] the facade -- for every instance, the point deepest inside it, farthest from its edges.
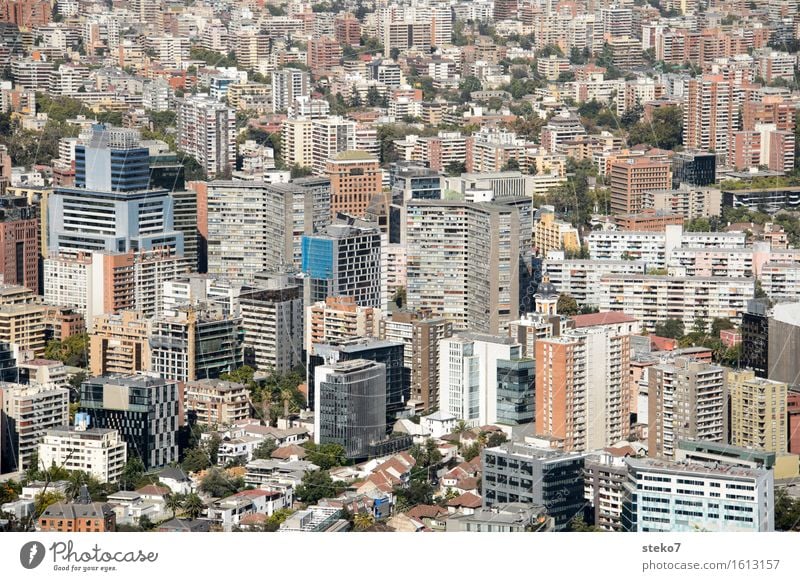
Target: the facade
(96, 451)
(213, 402)
(287, 85)
(343, 261)
(23, 325)
(194, 343)
(355, 178)
(583, 387)
(119, 343)
(272, 321)
(524, 473)
(669, 497)
(687, 400)
(604, 476)
(19, 243)
(207, 132)
(337, 320)
(551, 234)
(447, 243)
(69, 517)
(755, 337)
(687, 200)
(759, 415)
(350, 405)
(631, 177)
(143, 409)
(710, 114)
(29, 411)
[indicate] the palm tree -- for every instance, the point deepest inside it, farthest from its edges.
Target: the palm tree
(460, 429)
(174, 503)
(483, 438)
(76, 480)
(193, 506)
(363, 520)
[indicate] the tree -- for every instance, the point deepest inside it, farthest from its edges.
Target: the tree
(461, 428)
(373, 96)
(218, 484)
(316, 485)
(468, 85)
(567, 305)
(72, 351)
(455, 168)
(671, 328)
(417, 492)
(275, 521)
(326, 456)
(196, 460)
(131, 474)
(363, 521)
(174, 502)
(699, 326)
(720, 324)
(578, 525)
(193, 506)
(472, 451)
(496, 439)
(355, 97)
(511, 165)
(45, 499)
(145, 523)
(663, 131)
(265, 449)
(787, 512)
(426, 455)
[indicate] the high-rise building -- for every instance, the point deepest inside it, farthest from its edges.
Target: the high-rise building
(343, 260)
(759, 414)
(257, 227)
(473, 371)
(297, 147)
(448, 242)
(323, 54)
(506, 10)
(145, 410)
(23, 325)
(338, 319)
(213, 402)
(96, 451)
(351, 405)
(631, 177)
(207, 132)
(665, 497)
(710, 115)
(287, 85)
(583, 387)
(329, 137)
(525, 473)
(28, 411)
(420, 336)
(687, 400)
(119, 343)
(355, 178)
(19, 242)
(695, 168)
(347, 29)
(604, 476)
(193, 343)
(272, 322)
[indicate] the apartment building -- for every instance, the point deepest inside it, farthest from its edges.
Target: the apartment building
(579, 278)
(631, 177)
(687, 200)
(662, 496)
(337, 319)
(19, 241)
(213, 402)
(272, 322)
(604, 476)
(96, 451)
(710, 114)
(525, 473)
(447, 243)
(119, 343)
(356, 178)
(687, 400)
(551, 234)
(329, 137)
(759, 414)
(207, 132)
(287, 85)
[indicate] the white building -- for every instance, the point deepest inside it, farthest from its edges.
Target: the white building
(96, 451)
(287, 85)
(207, 132)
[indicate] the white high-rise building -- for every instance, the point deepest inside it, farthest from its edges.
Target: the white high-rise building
(287, 85)
(96, 451)
(329, 137)
(207, 132)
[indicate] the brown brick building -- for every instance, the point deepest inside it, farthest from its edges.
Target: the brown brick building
(631, 177)
(355, 178)
(648, 220)
(19, 243)
(67, 517)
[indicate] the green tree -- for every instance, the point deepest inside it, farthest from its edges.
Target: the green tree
(316, 485)
(787, 512)
(174, 503)
(496, 439)
(275, 521)
(468, 85)
(193, 506)
(145, 523)
(72, 351)
(417, 492)
(195, 460)
(720, 324)
(218, 484)
(472, 451)
(131, 474)
(44, 499)
(511, 165)
(326, 456)
(363, 521)
(373, 96)
(455, 168)
(567, 305)
(578, 525)
(671, 328)
(663, 131)
(461, 428)
(265, 449)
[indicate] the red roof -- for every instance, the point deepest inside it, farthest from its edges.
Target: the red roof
(467, 500)
(598, 319)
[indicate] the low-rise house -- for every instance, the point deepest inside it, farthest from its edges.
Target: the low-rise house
(512, 517)
(438, 423)
(466, 503)
(314, 519)
(175, 479)
(276, 474)
(228, 512)
(432, 516)
(290, 452)
(179, 525)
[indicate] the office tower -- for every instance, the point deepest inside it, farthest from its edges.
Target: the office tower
(145, 410)
(710, 115)
(415, 181)
(525, 473)
(694, 168)
(755, 337)
(351, 405)
(583, 387)
(631, 177)
(420, 336)
(355, 178)
(207, 132)
(516, 379)
(119, 343)
(257, 227)
(469, 368)
(389, 353)
(112, 161)
(19, 242)
(449, 243)
(687, 400)
(193, 343)
(8, 366)
(272, 322)
(329, 137)
(96, 451)
(338, 319)
(604, 476)
(213, 402)
(665, 497)
(287, 85)
(343, 260)
(28, 412)
(758, 412)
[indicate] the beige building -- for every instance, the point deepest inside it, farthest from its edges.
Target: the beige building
(338, 319)
(23, 325)
(214, 402)
(297, 143)
(98, 451)
(119, 343)
(758, 412)
(551, 234)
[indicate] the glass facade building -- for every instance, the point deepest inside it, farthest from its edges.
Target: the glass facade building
(515, 385)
